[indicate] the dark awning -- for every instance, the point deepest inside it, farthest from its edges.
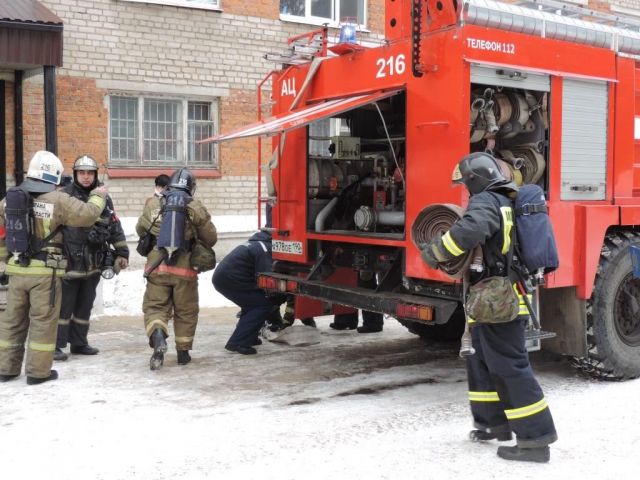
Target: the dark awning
(30, 35)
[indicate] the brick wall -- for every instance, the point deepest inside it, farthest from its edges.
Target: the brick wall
(9, 126)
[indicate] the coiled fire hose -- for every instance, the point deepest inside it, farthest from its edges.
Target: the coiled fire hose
(438, 219)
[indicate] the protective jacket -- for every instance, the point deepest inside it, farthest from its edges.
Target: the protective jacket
(237, 271)
(81, 241)
(52, 209)
(487, 221)
(199, 223)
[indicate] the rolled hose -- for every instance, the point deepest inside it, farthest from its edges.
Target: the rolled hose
(438, 219)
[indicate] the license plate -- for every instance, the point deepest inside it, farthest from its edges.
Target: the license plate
(294, 248)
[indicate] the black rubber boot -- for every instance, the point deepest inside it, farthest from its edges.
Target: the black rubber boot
(240, 349)
(159, 349)
(370, 329)
(342, 326)
(480, 436)
(538, 455)
(6, 378)
(256, 342)
(84, 350)
(36, 381)
(309, 322)
(183, 357)
(59, 355)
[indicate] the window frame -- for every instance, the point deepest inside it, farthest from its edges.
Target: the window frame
(140, 161)
(311, 20)
(181, 3)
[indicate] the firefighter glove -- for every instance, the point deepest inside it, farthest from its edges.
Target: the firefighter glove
(435, 253)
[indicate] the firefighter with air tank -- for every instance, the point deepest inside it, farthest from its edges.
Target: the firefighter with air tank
(177, 222)
(31, 242)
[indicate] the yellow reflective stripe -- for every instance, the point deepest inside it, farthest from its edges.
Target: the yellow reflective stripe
(98, 201)
(33, 269)
(450, 245)
(484, 397)
(42, 347)
(161, 324)
(507, 221)
(526, 411)
(184, 339)
(3, 251)
(8, 344)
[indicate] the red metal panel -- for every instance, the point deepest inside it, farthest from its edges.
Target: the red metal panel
(303, 116)
(630, 215)
(624, 114)
(592, 222)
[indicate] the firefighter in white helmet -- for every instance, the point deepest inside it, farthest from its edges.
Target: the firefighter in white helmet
(31, 221)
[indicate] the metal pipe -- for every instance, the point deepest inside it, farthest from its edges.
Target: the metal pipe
(324, 213)
(50, 110)
(19, 141)
(366, 218)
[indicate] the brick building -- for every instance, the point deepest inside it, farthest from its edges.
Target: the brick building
(142, 80)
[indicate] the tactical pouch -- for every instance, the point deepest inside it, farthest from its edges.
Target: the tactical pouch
(493, 300)
(202, 258)
(145, 244)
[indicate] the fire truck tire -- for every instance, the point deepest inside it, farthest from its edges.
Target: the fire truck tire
(446, 332)
(613, 319)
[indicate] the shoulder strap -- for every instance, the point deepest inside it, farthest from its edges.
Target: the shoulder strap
(162, 209)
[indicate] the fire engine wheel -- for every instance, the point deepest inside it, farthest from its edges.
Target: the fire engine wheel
(613, 313)
(447, 332)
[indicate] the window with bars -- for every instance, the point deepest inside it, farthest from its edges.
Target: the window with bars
(323, 11)
(165, 134)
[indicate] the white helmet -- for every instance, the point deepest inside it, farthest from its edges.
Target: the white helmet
(45, 166)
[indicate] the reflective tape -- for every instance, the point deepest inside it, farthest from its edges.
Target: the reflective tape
(161, 324)
(36, 267)
(79, 321)
(185, 272)
(8, 344)
(42, 347)
(184, 339)
(98, 201)
(484, 397)
(451, 246)
(526, 411)
(63, 322)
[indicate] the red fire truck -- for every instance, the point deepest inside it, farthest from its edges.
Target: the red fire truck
(363, 138)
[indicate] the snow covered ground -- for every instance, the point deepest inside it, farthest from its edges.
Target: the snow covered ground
(380, 406)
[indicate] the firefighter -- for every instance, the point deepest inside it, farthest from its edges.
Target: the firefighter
(504, 394)
(34, 297)
(172, 286)
(235, 279)
(161, 183)
(88, 251)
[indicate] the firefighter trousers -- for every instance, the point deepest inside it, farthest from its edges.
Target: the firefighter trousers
(166, 293)
(77, 301)
(369, 319)
(503, 393)
(254, 311)
(29, 312)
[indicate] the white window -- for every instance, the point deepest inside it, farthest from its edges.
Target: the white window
(159, 132)
(324, 11)
(202, 4)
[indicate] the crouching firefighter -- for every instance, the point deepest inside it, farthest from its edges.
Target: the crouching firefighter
(88, 254)
(504, 395)
(184, 235)
(31, 238)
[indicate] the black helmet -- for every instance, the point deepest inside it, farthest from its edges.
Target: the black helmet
(479, 172)
(183, 179)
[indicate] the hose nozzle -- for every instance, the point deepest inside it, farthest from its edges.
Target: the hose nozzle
(466, 350)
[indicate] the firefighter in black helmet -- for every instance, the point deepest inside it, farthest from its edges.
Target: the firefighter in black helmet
(504, 395)
(89, 252)
(173, 286)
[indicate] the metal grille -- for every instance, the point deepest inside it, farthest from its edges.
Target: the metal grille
(162, 132)
(321, 129)
(199, 127)
(124, 129)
